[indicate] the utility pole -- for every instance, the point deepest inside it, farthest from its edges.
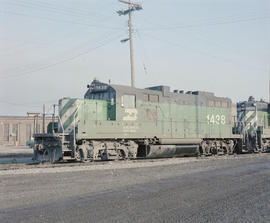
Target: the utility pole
(131, 7)
(43, 121)
(53, 118)
(269, 86)
(131, 49)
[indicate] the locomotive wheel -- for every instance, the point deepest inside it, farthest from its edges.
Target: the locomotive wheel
(208, 151)
(79, 156)
(121, 154)
(104, 155)
(213, 151)
(205, 149)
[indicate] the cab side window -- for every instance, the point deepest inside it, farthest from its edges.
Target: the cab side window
(128, 101)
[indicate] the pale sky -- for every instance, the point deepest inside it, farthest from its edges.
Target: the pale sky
(54, 48)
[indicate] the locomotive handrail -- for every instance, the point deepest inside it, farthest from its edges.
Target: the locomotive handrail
(74, 125)
(61, 124)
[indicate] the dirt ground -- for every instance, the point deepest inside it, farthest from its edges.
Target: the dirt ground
(15, 154)
(13, 150)
(216, 189)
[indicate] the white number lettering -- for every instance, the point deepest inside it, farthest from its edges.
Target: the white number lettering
(223, 119)
(218, 119)
(212, 120)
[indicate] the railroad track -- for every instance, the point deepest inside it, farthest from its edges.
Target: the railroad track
(124, 162)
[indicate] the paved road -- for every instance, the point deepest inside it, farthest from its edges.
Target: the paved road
(235, 189)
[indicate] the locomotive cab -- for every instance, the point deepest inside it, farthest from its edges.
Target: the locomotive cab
(101, 91)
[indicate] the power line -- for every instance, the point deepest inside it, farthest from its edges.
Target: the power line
(28, 43)
(60, 20)
(19, 105)
(209, 20)
(212, 42)
(73, 50)
(143, 59)
(61, 61)
(208, 24)
(201, 52)
(29, 103)
(53, 8)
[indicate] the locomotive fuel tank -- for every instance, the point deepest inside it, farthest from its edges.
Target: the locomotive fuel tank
(158, 151)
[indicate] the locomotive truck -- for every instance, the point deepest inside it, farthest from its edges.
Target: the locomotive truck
(120, 122)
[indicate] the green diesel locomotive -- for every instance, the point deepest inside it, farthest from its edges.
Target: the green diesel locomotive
(117, 122)
(253, 125)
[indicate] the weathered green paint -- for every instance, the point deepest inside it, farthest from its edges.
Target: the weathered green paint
(150, 120)
(263, 119)
(69, 121)
(253, 116)
(52, 127)
(67, 106)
